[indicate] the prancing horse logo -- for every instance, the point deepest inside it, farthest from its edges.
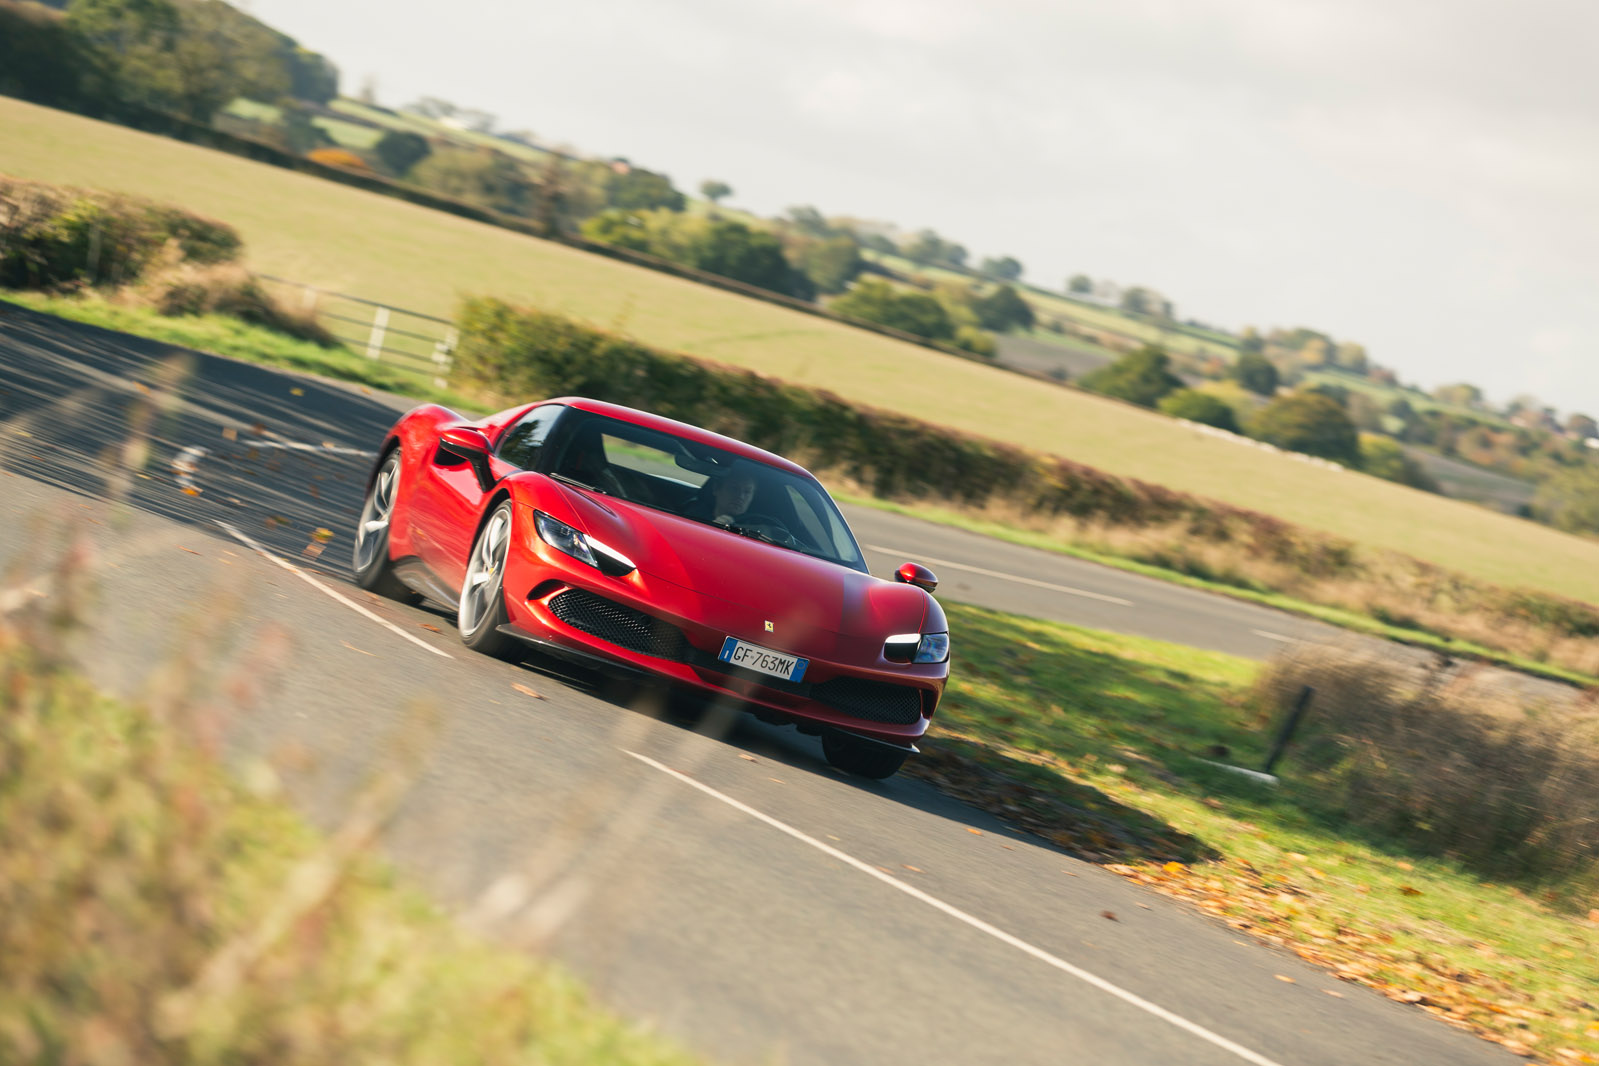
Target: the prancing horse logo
(769, 627)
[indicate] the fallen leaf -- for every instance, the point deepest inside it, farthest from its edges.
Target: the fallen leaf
(1174, 868)
(1286, 978)
(523, 689)
(312, 550)
(352, 647)
(296, 391)
(746, 756)
(1333, 992)
(1109, 914)
(229, 433)
(191, 551)
(190, 490)
(1404, 865)
(322, 534)
(912, 869)
(429, 626)
(969, 829)
(1409, 890)
(1593, 916)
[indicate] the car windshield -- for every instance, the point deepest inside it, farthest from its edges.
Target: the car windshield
(706, 484)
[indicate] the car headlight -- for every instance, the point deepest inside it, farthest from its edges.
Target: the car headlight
(933, 648)
(582, 547)
(916, 648)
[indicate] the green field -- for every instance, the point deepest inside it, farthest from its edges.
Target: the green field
(341, 238)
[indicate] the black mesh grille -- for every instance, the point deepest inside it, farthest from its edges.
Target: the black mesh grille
(875, 701)
(619, 625)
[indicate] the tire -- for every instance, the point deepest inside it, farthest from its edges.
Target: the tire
(481, 610)
(374, 570)
(863, 758)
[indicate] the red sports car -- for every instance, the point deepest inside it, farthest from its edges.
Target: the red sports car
(621, 539)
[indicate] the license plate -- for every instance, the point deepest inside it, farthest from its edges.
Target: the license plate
(762, 660)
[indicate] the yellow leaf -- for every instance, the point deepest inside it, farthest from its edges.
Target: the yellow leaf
(1409, 890)
(296, 391)
(1174, 867)
(524, 690)
(1284, 977)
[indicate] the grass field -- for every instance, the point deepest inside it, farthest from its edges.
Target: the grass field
(344, 239)
(1098, 742)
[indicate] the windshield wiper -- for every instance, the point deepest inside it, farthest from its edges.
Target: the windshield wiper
(567, 479)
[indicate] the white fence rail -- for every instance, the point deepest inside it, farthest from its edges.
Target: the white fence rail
(410, 339)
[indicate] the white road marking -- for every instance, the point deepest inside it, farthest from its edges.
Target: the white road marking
(295, 446)
(356, 607)
(1275, 636)
(976, 923)
(1005, 577)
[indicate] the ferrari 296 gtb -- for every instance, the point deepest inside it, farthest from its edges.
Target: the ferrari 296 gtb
(635, 543)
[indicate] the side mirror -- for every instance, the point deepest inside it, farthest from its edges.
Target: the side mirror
(465, 441)
(918, 575)
(469, 444)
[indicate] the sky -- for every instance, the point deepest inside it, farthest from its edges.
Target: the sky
(1418, 177)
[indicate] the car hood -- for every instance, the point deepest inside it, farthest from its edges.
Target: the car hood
(787, 586)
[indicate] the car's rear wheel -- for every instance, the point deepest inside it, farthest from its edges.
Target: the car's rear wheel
(864, 758)
(481, 611)
(374, 570)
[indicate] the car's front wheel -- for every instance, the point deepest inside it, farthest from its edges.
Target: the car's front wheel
(374, 570)
(481, 611)
(864, 758)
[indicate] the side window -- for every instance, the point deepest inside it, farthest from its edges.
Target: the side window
(522, 442)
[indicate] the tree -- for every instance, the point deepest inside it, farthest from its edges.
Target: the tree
(911, 312)
(1250, 341)
(485, 178)
(1004, 310)
(1461, 395)
(1351, 357)
(1570, 499)
(807, 219)
(1582, 427)
(1201, 407)
(312, 77)
(636, 189)
(400, 150)
(1139, 301)
(735, 251)
(924, 249)
(1316, 352)
(1005, 268)
(832, 263)
(1383, 457)
(1141, 377)
(1255, 372)
(1309, 423)
(620, 229)
(715, 191)
(1081, 284)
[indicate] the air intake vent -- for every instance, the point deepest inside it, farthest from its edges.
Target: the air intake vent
(620, 625)
(874, 701)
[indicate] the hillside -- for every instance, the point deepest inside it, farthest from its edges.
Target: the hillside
(331, 235)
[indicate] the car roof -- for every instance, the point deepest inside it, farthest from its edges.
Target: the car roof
(681, 429)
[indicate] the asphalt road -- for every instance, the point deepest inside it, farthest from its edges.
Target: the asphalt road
(714, 877)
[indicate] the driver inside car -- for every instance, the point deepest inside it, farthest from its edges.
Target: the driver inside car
(730, 496)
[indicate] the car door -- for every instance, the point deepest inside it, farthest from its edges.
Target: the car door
(451, 496)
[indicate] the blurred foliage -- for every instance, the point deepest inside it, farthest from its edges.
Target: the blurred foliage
(1310, 423)
(52, 236)
(721, 246)
(1140, 377)
(1570, 499)
(478, 176)
(1385, 457)
(1201, 407)
(915, 313)
(400, 150)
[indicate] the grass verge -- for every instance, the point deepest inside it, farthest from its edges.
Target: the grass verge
(152, 910)
(1099, 743)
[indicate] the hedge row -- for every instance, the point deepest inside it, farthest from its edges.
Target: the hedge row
(525, 352)
(533, 353)
(51, 235)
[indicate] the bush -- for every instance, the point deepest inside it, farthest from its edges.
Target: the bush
(1455, 770)
(179, 288)
(1140, 377)
(1310, 423)
(339, 157)
(915, 313)
(53, 236)
(976, 341)
(1201, 407)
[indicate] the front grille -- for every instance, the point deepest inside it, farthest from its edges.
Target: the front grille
(620, 625)
(875, 701)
